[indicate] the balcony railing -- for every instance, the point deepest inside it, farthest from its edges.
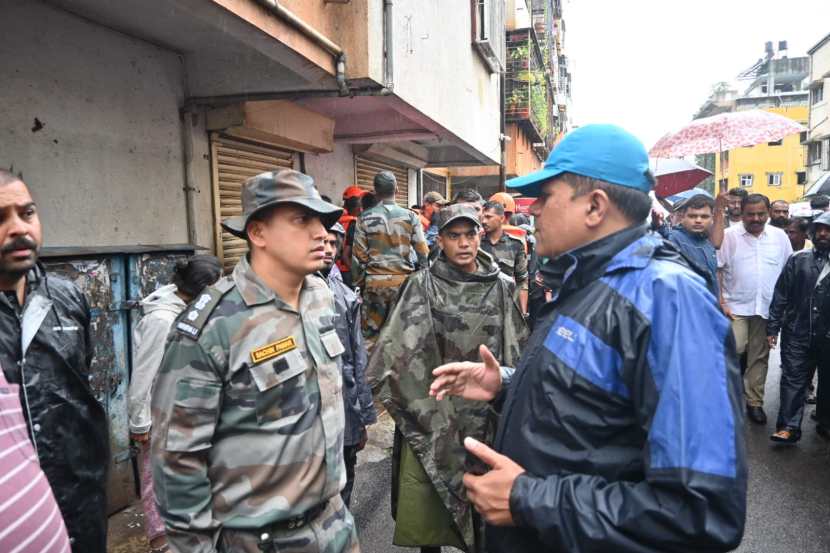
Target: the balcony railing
(528, 90)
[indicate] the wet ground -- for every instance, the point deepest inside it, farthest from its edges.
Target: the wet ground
(788, 504)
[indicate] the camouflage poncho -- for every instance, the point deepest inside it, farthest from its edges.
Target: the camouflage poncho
(443, 314)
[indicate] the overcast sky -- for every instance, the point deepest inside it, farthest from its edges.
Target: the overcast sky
(648, 65)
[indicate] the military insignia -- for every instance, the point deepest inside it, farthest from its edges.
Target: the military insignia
(273, 350)
(193, 319)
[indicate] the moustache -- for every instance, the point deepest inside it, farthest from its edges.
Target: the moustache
(19, 243)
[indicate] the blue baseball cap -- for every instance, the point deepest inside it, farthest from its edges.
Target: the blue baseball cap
(603, 152)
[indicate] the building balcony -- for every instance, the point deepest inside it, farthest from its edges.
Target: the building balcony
(528, 89)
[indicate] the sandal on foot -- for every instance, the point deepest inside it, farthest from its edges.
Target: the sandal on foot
(786, 436)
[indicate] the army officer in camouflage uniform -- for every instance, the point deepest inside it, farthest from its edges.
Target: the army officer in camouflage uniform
(508, 251)
(247, 408)
(445, 312)
(388, 238)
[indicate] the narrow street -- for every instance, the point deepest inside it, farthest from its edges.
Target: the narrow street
(788, 505)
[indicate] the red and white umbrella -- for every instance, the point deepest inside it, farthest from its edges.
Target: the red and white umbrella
(725, 131)
(676, 175)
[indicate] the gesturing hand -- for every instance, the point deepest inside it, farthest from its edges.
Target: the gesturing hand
(490, 493)
(476, 381)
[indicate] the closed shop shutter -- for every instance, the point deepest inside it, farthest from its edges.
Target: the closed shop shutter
(365, 170)
(233, 162)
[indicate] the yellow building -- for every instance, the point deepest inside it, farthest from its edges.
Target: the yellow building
(776, 169)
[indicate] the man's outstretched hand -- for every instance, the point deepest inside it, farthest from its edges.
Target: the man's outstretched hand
(490, 493)
(476, 381)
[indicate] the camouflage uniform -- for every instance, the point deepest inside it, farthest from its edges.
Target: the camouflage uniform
(248, 423)
(442, 315)
(509, 252)
(385, 237)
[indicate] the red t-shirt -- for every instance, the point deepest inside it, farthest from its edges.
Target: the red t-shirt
(30, 520)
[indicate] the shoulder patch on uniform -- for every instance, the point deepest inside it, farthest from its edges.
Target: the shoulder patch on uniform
(193, 319)
(516, 238)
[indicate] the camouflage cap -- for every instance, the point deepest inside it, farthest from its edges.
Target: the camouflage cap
(385, 178)
(450, 214)
(434, 197)
(283, 186)
(337, 228)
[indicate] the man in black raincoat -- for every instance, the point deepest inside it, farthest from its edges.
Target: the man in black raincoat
(795, 312)
(45, 347)
(621, 430)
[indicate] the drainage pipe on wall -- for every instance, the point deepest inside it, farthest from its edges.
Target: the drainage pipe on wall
(388, 46)
(310, 32)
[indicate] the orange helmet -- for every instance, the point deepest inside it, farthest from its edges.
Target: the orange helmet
(506, 200)
(353, 191)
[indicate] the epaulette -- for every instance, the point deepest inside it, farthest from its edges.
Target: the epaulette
(193, 319)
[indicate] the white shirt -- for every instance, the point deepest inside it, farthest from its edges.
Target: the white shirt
(738, 223)
(750, 266)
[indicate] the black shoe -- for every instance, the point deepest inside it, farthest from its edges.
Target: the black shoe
(823, 431)
(756, 414)
(786, 436)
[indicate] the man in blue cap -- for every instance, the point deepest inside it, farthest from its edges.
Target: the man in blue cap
(621, 427)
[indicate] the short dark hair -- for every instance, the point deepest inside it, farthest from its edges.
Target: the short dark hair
(802, 224)
(780, 202)
(820, 202)
(754, 199)
(467, 196)
(351, 203)
(495, 206)
(698, 201)
(738, 193)
(635, 205)
(7, 176)
(368, 201)
(193, 274)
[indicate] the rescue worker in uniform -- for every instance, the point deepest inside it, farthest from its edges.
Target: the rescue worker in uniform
(386, 237)
(247, 407)
(621, 428)
(46, 350)
(352, 208)
(507, 250)
(443, 313)
(357, 396)
(800, 292)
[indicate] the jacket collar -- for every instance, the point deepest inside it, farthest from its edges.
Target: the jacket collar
(628, 248)
(254, 291)
(486, 270)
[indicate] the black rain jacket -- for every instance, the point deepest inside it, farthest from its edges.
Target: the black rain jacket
(625, 410)
(47, 345)
(796, 307)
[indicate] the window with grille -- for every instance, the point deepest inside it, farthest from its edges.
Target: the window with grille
(774, 179)
(746, 181)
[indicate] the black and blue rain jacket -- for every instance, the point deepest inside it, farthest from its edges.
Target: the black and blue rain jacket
(625, 410)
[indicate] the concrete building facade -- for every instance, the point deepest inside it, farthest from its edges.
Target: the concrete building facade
(818, 135)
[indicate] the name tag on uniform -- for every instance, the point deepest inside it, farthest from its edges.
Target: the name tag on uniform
(273, 350)
(332, 343)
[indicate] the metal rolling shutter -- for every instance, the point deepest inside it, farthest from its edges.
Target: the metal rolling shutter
(234, 161)
(365, 170)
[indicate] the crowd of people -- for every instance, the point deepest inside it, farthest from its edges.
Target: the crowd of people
(571, 379)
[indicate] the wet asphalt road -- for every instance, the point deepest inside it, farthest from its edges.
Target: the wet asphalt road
(788, 499)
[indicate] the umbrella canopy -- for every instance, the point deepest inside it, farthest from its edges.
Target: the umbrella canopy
(725, 131)
(676, 175)
(686, 194)
(821, 186)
